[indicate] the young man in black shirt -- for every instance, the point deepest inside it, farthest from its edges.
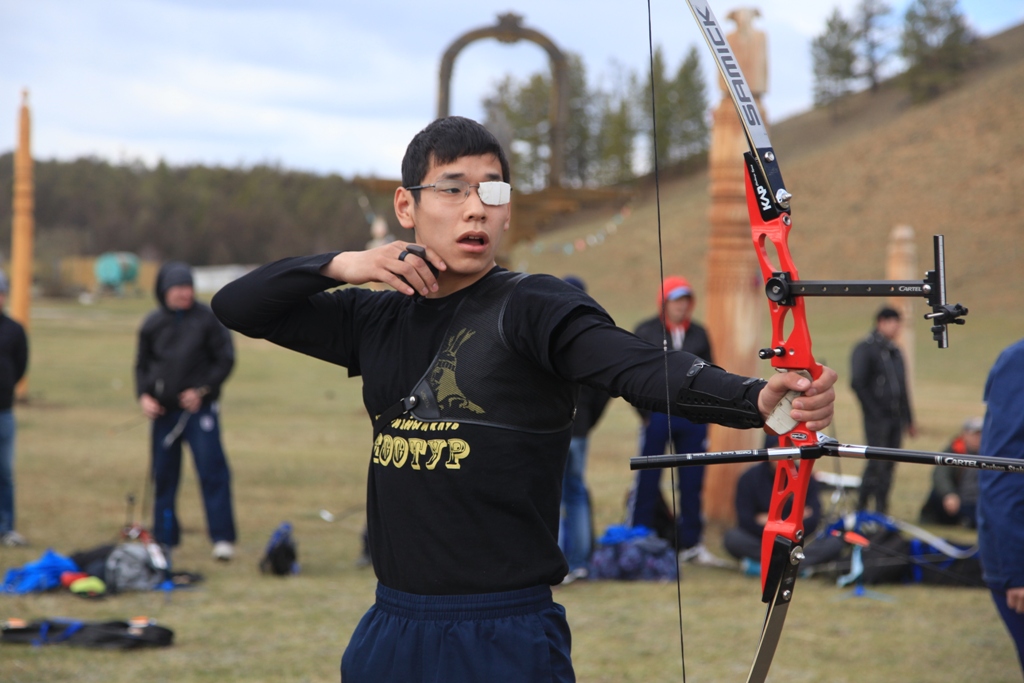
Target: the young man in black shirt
(470, 373)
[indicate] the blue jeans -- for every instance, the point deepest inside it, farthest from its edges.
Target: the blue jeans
(574, 534)
(202, 432)
(6, 471)
(687, 437)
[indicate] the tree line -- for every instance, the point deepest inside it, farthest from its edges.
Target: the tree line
(934, 41)
(611, 136)
(199, 214)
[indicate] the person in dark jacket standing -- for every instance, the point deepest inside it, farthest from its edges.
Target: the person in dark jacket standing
(184, 356)
(878, 377)
(675, 327)
(13, 362)
(575, 536)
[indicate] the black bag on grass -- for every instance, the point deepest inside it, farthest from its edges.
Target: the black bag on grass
(893, 559)
(106, 635)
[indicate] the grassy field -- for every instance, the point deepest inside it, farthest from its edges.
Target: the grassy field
(297, 440)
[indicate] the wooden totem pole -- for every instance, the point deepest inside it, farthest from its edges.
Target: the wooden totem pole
(22, 230)
(735, 294)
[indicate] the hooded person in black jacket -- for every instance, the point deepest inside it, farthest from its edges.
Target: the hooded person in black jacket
(184, 356)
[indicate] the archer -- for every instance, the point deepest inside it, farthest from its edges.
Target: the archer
(465, 548)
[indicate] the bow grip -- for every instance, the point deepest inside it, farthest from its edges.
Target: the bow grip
(780, 421)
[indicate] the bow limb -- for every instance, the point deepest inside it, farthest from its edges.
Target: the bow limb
(768, 207)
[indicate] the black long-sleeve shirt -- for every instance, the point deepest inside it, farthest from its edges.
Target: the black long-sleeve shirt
(180, 350)
(285, 302)
(878, 377)
(464, 507)
(13, 358)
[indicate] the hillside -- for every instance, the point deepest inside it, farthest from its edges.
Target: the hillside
(951, 166)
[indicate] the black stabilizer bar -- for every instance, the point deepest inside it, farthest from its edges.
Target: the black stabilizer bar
(833, 448)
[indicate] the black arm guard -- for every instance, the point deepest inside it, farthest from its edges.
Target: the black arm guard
(710, 394)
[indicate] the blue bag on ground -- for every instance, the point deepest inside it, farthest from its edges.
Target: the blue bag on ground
(41, 575)
(633, 554)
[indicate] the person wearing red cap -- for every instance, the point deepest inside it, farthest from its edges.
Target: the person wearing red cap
(673, 328)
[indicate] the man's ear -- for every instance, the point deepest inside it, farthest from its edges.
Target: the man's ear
(405, 208)
(508, 216)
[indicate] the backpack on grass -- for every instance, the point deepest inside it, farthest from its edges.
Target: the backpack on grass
(281, 556)
(132, 567)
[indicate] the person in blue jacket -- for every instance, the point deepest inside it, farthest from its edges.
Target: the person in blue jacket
(1001, 494)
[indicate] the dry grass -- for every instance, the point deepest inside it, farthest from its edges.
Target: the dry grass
(297, 439)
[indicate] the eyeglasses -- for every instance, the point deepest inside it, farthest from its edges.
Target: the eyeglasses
(454, 191)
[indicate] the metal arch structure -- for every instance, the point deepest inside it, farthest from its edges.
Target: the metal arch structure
(510, 29)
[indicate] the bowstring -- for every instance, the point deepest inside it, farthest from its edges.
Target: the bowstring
(664, 333)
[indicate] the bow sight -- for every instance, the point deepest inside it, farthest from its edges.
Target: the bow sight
(782, 290)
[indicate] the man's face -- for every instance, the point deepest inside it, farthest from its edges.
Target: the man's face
(972, 441)
(889, 327)
(677, 310)
(179, 297)
(465, 234)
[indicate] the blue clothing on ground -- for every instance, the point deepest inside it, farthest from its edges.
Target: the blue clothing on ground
(411, 638)
(202, 432)
(41, 575)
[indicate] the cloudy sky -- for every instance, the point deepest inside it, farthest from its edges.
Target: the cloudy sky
(334, 86)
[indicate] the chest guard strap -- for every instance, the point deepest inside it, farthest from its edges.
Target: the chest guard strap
(476, 377)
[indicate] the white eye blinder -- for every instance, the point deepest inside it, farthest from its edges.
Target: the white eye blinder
(495, 193)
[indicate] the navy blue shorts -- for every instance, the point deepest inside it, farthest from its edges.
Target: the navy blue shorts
(515, 636)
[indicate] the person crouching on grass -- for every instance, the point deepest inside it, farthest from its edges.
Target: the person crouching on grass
(471, 372)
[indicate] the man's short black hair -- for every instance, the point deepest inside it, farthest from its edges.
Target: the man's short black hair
(444, 141)
(887, 313)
